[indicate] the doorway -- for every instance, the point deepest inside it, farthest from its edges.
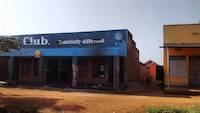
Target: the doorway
(59, 70)
(3, 68)
(52, 70)
(194, 71)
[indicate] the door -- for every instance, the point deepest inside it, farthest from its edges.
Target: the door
(52, 72)
(59, 70)
(3, 68)
(194, 70)
(66, 70)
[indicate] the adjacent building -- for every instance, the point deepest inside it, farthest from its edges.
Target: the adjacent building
(108, 58)
(182, 55)
(151, 69)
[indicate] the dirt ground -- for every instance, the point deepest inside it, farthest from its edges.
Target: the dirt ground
(85, 102)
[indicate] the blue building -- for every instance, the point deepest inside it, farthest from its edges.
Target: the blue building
(107, 58)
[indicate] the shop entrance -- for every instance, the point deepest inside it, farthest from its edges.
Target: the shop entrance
(194, 70)
(59, 70)
(3, 68)
(52, 70)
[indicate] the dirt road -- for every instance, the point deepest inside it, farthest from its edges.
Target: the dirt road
(72, 102)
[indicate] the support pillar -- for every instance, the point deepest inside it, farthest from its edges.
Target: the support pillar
(188, 69)
(168, 75)
(116, 71)
(59, 69)
(75, 71)
(89, 69)
(10, 68)
(40, 69)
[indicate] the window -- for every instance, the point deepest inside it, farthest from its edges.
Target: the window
(195, 34)
(83, 68)
(98, 68)
(26, 66)
(35, 67)
(177, 66)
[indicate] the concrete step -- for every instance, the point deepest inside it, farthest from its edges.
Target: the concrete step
(187, 91)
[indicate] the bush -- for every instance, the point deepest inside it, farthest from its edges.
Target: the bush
(19, 109)
(194, 109)
(166, 109)
(170, 109)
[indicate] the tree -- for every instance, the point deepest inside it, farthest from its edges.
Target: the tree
(7, 43)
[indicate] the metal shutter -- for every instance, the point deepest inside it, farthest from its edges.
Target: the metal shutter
(177, 66)
(194, 70)
(181, 65)
(172, 67)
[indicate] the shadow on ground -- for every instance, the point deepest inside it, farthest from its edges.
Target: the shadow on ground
(39, 103)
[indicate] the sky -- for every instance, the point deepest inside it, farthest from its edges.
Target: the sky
(143, 18)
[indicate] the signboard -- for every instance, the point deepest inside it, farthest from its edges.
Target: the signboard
(75, 40)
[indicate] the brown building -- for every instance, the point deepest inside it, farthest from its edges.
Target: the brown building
(143, 71)
(182, 55)
(151, 69)
(104, 58)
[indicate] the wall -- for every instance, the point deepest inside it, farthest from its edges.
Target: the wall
(182, 34)
(152, 71)
(175, 35)
(177, 80)
(132, 62)
(143, 72)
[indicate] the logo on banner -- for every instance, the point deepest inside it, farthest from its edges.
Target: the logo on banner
(118, 38)
(38, 54)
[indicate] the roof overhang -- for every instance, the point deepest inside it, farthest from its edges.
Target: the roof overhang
(181, 46)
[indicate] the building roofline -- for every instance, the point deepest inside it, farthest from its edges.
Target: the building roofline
(180, 45)
(182, 24)
(68, 32)
(147, 65)
(141, 63)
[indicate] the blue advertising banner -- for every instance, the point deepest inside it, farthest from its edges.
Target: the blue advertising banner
(96, 43)
(96, 39)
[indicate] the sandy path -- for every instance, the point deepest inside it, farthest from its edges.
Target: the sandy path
(70, 102)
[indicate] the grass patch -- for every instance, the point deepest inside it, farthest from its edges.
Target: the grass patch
(172, 109)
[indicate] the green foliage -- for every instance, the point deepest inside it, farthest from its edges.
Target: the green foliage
(193, 109)
(19, 109)
(166, 109)
(7, 43)
(171, 109)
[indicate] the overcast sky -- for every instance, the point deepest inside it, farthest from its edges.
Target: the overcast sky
(143, 18)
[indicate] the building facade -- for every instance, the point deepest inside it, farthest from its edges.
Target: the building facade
(108, 58)
(151, 69)
(143, 71)
(154, 71)
(182, 55)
